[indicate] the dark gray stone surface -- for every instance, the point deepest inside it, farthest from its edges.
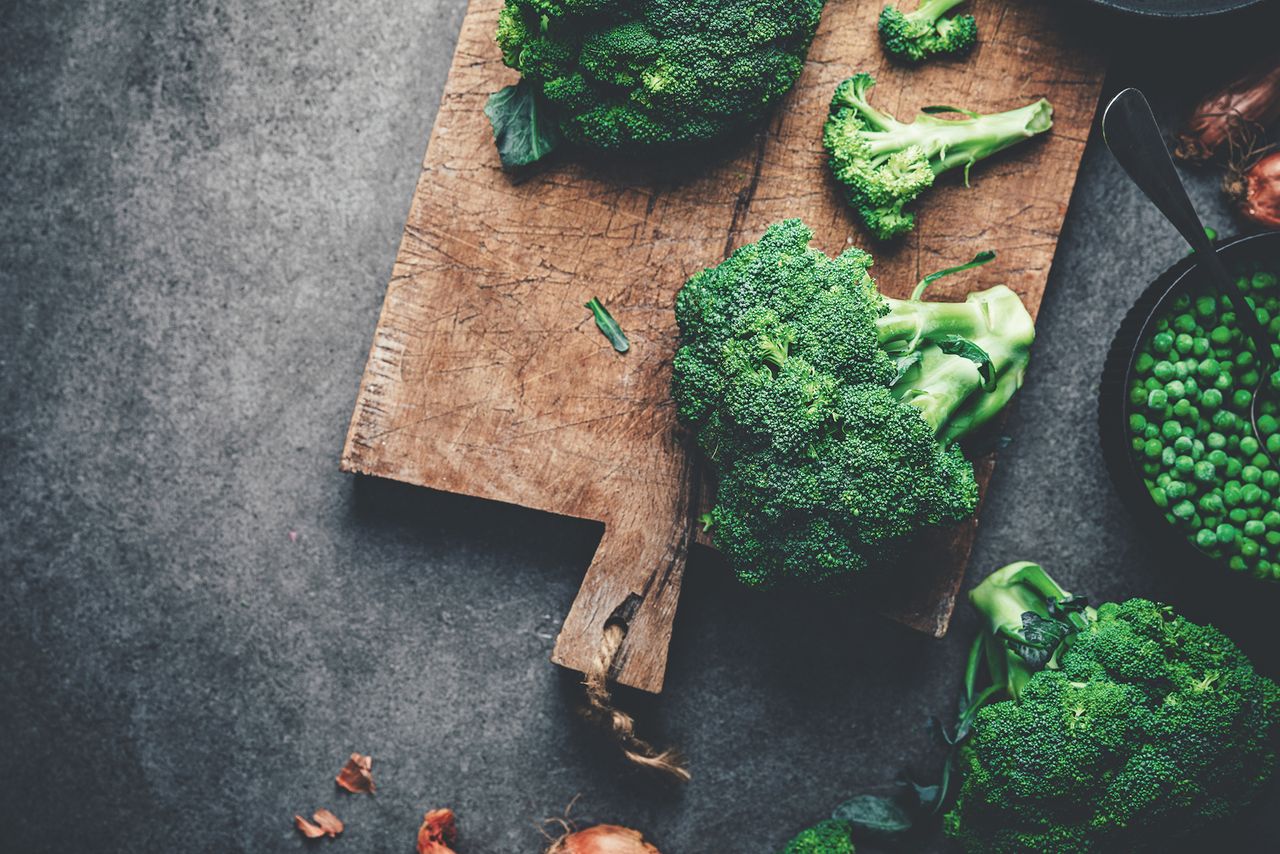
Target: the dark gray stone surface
(202, 204)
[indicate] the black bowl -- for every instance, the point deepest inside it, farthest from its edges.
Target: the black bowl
(1176, 8)
(1114, 407)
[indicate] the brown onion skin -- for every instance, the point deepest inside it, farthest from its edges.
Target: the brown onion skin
(1256, 191)
(1242, 106)
(603, 839)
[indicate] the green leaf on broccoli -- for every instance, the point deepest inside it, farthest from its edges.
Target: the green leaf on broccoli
(522, 125)
(955, 345)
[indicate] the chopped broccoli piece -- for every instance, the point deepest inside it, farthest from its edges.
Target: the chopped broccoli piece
(884, 164)
(621, 75)
(1128, 726)
(918, 35)
(825, 837)
(830, 412)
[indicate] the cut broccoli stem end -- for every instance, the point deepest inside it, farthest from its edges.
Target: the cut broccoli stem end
(967, 141)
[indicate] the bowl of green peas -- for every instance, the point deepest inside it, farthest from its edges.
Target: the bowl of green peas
(1174, 415)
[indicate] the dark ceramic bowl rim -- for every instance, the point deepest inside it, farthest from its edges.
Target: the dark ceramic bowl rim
(1114, 407)
(1134, 8)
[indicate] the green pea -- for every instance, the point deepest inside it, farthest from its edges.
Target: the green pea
(1206, 539)
(1158, 399)
(1144, 363)
(1183, 510)
(1176, 390)
(1163, 371)
(1248, 445)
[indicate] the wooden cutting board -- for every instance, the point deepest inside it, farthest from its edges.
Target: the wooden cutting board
(488, 377)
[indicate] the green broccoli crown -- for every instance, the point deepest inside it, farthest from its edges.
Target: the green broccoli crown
(626, 73)
(829, 411)
(884, 164)
(925, 32)
(825, 837)
(1144, 727)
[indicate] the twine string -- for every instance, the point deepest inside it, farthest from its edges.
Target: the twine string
(620, 725)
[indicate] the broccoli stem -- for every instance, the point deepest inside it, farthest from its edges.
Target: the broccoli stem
(932, 10)
(948, 390)
(1002, 599)
(947, 143)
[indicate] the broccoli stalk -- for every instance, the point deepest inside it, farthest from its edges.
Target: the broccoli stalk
(884, 164)
(1028, 618)
(991, 329)
(918, 35)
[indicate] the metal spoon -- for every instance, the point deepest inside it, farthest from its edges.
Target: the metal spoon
(1130, 131)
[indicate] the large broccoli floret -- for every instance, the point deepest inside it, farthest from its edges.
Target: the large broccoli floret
(1128, 726)
(918, 35)
(622, 74)
(884, 164)
(825, 837)
(831, 412)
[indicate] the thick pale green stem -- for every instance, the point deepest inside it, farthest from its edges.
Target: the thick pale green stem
(948, 390)
(932, 10)
(1002, 598)
(948, 143)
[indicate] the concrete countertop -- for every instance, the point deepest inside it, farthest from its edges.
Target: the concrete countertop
(203, 617)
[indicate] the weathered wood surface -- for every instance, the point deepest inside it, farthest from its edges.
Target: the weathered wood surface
(488, 377)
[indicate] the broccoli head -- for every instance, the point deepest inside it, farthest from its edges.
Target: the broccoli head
(622, 74)
(1127, 726)
(831, 412)
(918, 35)
(884, 164)
(825, 837)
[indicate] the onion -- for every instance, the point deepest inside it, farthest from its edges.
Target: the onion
(438, 832)
(1256, 190)
(1234, 115)
(603, 839)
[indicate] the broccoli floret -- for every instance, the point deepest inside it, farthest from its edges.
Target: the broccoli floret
(825, 837)
(830, 412)
(884, 164)
(918, 35)
(1128, 726)
(621, 74)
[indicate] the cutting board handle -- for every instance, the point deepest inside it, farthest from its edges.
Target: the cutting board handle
(633, 581)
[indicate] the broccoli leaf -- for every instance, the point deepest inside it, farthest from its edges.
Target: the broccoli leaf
(904, 364)
(522, 125)
(607, 325)
(954, 345)
(978, 260)
(1040, 639)
(874, 814)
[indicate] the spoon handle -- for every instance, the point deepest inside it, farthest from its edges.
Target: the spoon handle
(1130, 131)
